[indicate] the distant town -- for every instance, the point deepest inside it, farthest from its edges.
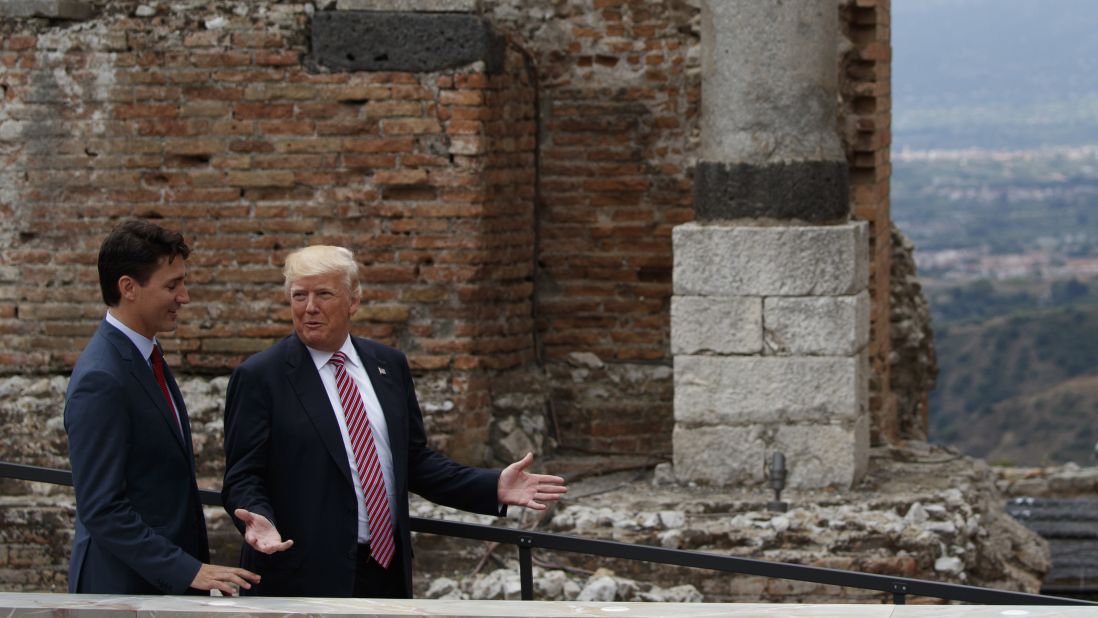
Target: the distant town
(1000, 214)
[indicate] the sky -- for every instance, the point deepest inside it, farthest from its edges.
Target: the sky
(995, 71)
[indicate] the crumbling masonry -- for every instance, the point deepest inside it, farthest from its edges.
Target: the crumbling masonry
(509, 173)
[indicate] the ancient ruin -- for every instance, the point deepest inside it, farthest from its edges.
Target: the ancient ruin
(606, 231)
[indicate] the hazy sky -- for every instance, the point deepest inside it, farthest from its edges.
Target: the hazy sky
(994, 73)
(1008, 50)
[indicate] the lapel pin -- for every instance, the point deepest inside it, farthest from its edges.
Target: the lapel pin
(381, 370)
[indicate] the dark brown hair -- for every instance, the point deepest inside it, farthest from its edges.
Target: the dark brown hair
(134, 249)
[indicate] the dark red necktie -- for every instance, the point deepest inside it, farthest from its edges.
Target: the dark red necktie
(369, 466)
(157, 361)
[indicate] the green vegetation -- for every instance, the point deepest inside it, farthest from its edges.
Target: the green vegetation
(1021, 386)
(1007, 245)
(995, 180)
(983, 299)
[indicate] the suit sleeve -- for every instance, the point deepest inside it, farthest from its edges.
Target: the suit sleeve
(247, 441)
(99, 435)
(439, 478)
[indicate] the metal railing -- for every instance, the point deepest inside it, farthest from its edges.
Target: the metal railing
(526, 542)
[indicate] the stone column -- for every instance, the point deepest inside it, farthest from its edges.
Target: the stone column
(770, 314)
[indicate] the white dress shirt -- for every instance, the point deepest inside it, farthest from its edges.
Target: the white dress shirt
(378, 427)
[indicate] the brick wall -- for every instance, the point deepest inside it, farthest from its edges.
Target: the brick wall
(506, 223)
(866, 78)
(224, 135)
(619, 86)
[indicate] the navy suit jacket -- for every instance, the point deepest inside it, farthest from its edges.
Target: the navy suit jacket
(139, 522)
(286, 461)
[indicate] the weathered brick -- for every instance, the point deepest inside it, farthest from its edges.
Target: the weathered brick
(260, 179)
(378, 145)
(277, 58)
(385, 109)
(400, 177)
(220, 59)
(461, 97)
(146, 110)
(252, 111)
(410, 126)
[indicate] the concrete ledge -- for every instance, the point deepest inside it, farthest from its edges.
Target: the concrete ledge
(727, 260)
(773, 390)
(701, 324)
(77, 10)
(809, 191)
(403, 41)
(22, 605)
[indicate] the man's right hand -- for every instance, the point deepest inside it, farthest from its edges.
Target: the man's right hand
(261, 534)
(213, 576)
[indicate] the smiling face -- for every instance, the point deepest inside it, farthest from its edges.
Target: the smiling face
(322, 307)
(154, 307)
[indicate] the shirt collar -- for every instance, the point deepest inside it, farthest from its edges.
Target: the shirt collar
(144, 344)
(321, 358)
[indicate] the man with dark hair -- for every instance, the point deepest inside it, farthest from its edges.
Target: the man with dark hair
(139, 522)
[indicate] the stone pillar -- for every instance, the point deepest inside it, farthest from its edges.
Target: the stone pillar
(770, 314)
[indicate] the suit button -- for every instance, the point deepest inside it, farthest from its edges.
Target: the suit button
(352, 554)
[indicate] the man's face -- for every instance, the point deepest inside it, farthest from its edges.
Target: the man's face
(156, 304)
(322, 307)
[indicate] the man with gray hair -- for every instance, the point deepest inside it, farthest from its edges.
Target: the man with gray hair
(324, 439)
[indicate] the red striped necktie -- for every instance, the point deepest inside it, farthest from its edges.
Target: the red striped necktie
(157, 361)
(369, 467)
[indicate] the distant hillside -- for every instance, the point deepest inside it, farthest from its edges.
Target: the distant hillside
(1059, 424)
(1013, 373)
(994, 73)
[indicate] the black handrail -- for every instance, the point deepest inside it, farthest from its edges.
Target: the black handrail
(900, 587)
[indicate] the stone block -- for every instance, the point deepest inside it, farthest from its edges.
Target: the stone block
(721, 325)
(821, 325)
(769, 389)
(403, 41)
(51, 9)
(819, 455)
(720, 455)
(812, 192)
(816, 454)
(726, 260)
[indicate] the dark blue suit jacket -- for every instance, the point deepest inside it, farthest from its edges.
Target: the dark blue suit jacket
(286, 461)
(139, 523)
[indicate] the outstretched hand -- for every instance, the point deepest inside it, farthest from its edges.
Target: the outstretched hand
(261, 534)
(517, 487)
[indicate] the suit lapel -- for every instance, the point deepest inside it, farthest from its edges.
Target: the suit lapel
(184, 418)
(305, 380)
(142, 374)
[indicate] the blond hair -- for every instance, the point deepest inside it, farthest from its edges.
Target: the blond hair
(322, 260)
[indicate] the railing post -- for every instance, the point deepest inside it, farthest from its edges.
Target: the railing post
(526, 568)
(899, 594)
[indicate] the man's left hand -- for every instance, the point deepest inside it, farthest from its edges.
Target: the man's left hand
(261, 534)
(517, 487)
